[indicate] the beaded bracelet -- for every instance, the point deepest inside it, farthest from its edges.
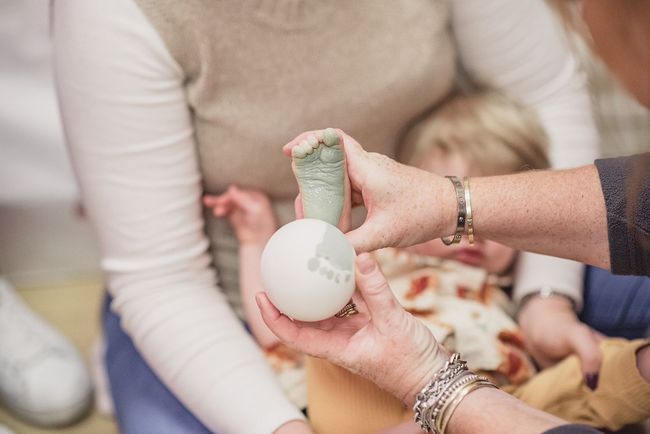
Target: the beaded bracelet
(430, 393)
(437, 401)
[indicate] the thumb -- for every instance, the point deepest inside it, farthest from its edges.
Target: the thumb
(366, 238)
(585, 345)
(374, 289)
(356, 163)
(351, 146)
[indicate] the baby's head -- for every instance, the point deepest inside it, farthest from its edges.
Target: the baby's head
(481, 134)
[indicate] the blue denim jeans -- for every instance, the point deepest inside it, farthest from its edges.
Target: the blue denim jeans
(616, 305)
(143, 405)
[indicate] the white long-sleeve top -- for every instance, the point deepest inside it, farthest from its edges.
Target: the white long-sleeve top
(132, 141)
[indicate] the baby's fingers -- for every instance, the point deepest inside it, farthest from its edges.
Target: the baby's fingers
(243, 199)
(221, 205)
(209, 200)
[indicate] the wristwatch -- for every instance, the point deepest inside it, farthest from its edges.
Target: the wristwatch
(545, 292)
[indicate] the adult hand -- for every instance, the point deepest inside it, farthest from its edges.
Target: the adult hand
(405, 205)
(383, 343)
(553, 331)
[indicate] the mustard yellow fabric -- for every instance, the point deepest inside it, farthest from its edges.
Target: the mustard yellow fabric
(621, 398)
(343, 403)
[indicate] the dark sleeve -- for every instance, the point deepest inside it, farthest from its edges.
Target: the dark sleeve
(626, 186)
(573, 429)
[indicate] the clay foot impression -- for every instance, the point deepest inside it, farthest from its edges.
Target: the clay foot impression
(333, 259)
(319, 166)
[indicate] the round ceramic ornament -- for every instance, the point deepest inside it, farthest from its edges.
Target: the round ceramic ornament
(308, 270)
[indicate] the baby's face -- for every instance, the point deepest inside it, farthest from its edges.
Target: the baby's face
(489, 255)
(493, 257)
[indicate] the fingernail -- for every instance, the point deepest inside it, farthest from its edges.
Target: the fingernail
(365, 263)
(591, 380)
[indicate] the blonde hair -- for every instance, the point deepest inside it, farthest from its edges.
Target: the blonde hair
(496, 135)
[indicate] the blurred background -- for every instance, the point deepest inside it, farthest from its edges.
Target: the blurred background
(42, 238)
(46, 247)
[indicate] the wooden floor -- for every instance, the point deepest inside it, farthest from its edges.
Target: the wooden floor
(74, 310)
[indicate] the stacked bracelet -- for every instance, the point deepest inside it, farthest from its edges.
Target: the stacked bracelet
(469, 218)
(464, 389)
(464, 220)
(460, 220)
(437, 401)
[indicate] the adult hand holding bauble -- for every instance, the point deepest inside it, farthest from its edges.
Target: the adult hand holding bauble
(308, 269)
(383, 343)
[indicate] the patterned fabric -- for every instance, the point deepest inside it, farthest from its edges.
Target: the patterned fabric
(289, 368)
(464, 308)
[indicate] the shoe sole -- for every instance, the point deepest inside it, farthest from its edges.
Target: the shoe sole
(52, 419)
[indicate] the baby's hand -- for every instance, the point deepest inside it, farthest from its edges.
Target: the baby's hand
(248, 210)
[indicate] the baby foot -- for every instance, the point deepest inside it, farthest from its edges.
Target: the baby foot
(319, 166)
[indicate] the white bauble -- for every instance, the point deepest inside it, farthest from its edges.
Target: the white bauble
(308, 270)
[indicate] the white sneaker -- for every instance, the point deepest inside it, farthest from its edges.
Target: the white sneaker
(43, 379)
(4, 429)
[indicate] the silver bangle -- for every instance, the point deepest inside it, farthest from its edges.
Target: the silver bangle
(431, 412)
(461, 209)
(469, 217)
(433, 416)
(426, 399)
